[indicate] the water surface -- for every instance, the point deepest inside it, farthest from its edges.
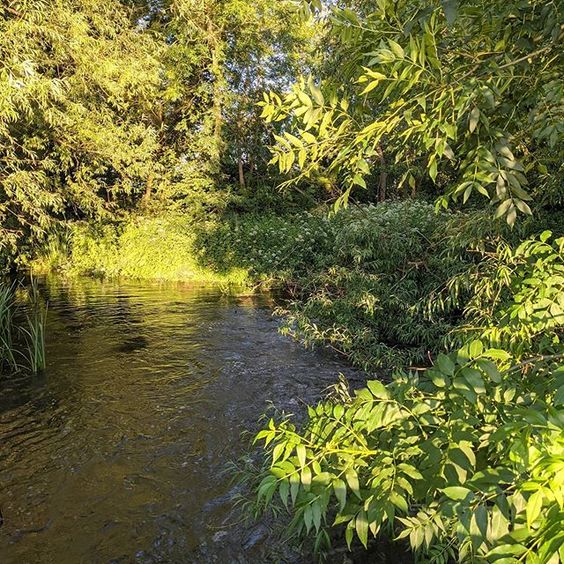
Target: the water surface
(117, 453)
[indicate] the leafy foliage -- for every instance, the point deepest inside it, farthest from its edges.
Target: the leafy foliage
(22, 329)
(244, 252)
(464, 92)
(75, 85)
(465, 460)
(386, 259)
(273, 249)
(108, 108)
(514, 297)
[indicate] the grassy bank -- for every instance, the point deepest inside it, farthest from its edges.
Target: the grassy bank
(22, 328)
(370, 282)
(241, 252)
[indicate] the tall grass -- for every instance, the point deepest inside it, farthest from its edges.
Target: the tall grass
(22, 330)
(35, 330)
(7, 351)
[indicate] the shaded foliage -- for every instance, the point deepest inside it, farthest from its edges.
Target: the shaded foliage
(462, 97)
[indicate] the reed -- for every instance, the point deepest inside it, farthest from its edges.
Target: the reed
(7, 348)
(22, 329)
(35, 330)
(35, 340)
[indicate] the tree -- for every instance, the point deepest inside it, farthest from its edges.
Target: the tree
(221, 56)
(467, 93)
(76, 132)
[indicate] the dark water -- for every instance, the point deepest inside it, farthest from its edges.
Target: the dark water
(117, 452)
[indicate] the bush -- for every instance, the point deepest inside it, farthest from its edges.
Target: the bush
(511, 297)
(159, 248)
(386, 260)
(274, 248)
(243, 251)
(466, 460)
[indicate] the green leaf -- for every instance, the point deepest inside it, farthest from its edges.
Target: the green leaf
(340, 492)
(352, 480)
(349, 532)
(399, 501)
(316, 514)
(445, 364)
(397, 49)
(545, 236)
(506, 550)
(457, 493)
(511, 215)
(497, 354)
(438, 378)
(266, 487)
(499, 524)
(306, 477)
(433, 168)
(294, 487)
(361, 524)
(476, 348)
(283, 491)
(534, 506)
(316, 92)
(474, 379)
(503, 207)
(301, 453)
(308, 517)
(377, 389)
(473, 119)
(410, 471)
(479, 526)
(490, 369)
(371, 86)
(277, 452)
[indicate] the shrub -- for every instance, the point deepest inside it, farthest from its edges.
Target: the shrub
(466, 460)
(512, 297)
(387, 259)
(270, 247)
(160, 248)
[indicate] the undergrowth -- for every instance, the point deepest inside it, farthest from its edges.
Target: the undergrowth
(382, 285)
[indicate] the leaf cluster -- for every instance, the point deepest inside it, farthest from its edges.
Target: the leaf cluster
(465, 460)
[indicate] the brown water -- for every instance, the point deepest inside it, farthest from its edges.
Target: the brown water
(118, 452)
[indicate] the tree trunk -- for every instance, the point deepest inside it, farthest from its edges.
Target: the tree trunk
(242, 183)
(148, 189)
(382, 185)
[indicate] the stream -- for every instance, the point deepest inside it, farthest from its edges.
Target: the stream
(119, 452)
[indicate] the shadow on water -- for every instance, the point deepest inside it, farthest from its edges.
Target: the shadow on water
(115, 453)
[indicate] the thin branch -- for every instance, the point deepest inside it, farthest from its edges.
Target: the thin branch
(524, 58)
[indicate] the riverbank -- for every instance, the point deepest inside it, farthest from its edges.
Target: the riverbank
(369, 282)
(398, 271)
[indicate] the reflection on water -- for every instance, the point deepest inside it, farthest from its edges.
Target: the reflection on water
(116, 453)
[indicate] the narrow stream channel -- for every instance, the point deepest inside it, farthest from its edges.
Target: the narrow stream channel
(117, 452)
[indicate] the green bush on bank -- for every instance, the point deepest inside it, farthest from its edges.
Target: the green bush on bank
(465, 459)
(273, 249)
(364, 303)
(240, 251)
(160, 248)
